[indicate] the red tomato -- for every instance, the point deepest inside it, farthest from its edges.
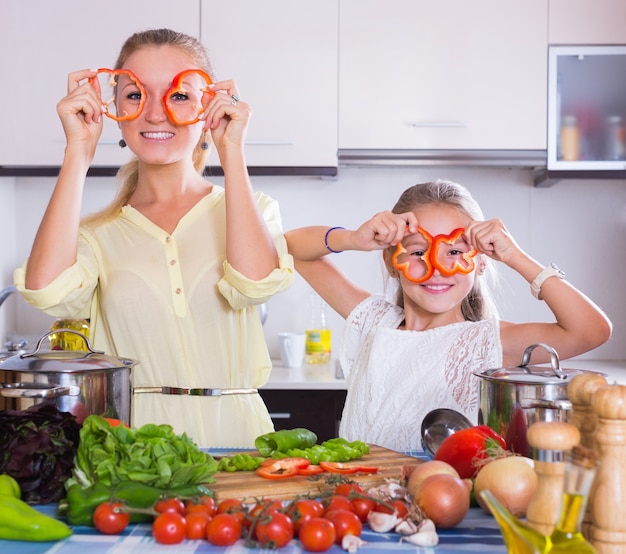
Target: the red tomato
(399, 507)
(338, 467)
(229, 505)
(170, 505)
(362, 506)
(224, 530)
(344, 489)
(346, 522)
(109, 520)
(303, 509)
(204, 504)
(274, 530)
(283, 468)
(169, 528)
(195, 526)
(260, 510)
(337, 502)
(317, 534)
(462, 448)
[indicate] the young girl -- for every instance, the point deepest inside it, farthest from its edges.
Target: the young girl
(403, 359)
(170, 274)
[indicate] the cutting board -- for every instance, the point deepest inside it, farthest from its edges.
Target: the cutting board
(247, 485)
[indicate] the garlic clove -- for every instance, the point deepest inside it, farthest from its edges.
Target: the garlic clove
(351, 543)
(426, 526)
(406, 527)
(381, 522)
(427, 538)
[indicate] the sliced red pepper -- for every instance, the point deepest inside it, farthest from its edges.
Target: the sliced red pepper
(106, 102)
(426, 258)
(367, 469)
(338, 467)
(457, 267)
(313, 469)
(177, 87)
(283, 468)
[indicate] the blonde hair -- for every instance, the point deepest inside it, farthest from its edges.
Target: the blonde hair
(478, 304)
(127, 175)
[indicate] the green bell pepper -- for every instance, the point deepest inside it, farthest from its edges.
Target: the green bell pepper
(284, 440)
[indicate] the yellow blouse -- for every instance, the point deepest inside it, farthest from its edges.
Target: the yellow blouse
(172, 302)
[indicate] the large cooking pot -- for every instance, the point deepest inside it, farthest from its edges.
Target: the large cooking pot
(80, 382)
(512, 399)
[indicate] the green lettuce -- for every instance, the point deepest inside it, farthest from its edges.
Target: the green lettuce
(151, 454)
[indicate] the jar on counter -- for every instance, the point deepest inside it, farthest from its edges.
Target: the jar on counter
(569, 139)
(615, 140)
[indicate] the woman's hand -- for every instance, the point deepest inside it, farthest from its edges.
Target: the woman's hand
(227, 116)
(81, 111)
(385, 229)
(492, 239)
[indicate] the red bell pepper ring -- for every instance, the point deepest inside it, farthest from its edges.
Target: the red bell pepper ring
(282, 468)
(114, 73)
(457, 267)
(426, 258)
(178, 88)
(313, 469)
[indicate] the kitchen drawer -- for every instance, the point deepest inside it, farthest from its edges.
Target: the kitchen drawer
(316, 410)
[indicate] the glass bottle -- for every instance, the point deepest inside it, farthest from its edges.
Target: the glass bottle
(569, 139)
(318, 339)
(615, 140)
(69, 341)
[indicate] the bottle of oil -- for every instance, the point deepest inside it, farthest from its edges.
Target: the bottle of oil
(318, 339)
(69, 341)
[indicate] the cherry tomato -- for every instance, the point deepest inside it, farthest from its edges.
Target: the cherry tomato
(362, 506)
(337, 502)
(317, 534)
(260, 510)
(170, 505)
(234, 507)
(109, 520)
(346, 522)
(195, 526)
(224, 530)
(205, 504)
(169, 528)
(274, 529)
(302, 509)
(398, 506)
(344, 489)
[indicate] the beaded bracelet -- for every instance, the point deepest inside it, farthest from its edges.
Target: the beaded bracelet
(551, 271)
(326, 240)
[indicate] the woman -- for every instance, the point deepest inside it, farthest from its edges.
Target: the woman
(170, 274)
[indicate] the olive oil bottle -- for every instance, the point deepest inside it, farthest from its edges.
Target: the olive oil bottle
(318, 337)
(69, 341)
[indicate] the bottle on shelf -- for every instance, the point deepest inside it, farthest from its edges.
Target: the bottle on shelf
(615, 138)
(318, 339)
(569, 139)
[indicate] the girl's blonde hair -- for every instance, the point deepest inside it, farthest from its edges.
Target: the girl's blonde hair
(478, 304)
(128, 174)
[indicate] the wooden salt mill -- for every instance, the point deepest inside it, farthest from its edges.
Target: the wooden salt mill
(580, 392)
(551, 440)
(608, 494)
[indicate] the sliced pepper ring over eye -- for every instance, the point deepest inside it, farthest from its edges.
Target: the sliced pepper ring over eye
(457, 266)
(112, 82)
(179, 88)
(426, 258)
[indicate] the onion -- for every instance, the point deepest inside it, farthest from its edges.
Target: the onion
(512, 480)
(444, 498)
(422, 471)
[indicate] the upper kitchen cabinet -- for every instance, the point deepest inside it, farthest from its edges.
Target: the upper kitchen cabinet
(445, 75)
(283, 57)
(587, 22)
(42, 42)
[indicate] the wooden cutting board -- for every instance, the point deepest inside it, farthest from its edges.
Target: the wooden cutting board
(247, 485)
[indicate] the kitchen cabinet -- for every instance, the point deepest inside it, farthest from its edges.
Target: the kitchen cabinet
(283, 56)
(587, 22)
(445, 75)
(317, 410)
(47, 41)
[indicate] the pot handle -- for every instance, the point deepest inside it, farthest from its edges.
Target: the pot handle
(554, 360)
(46, 335)
(559, 404)
(26, 390)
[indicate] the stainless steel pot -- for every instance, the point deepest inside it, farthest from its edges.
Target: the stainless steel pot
(80, 382)
(512, 399)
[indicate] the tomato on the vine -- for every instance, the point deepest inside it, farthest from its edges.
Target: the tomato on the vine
(274, 529)
(317, 534)
(346, 522)
(108, 519)
(303, 509)
(234, 507)
(195, 525)
(205, 504)
(337, 502)
(398, 506)
(169, 528)
(170, 505)
(344, 489)
(224, 529)
(362, 506)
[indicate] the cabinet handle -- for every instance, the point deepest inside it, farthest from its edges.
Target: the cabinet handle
(438, 124)
(280, 415)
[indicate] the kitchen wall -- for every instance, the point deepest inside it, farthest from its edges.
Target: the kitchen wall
(578, 224)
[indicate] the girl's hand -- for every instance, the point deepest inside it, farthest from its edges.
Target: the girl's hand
(492, 239)
(227, 116)
(81, 110)
(385, 229)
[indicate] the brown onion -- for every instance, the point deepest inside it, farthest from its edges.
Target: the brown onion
(512, 480)
(444, 498)
(426, 469)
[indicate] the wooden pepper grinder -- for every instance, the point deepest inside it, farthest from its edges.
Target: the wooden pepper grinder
(608, 493)
(551, 440)
(580, 392)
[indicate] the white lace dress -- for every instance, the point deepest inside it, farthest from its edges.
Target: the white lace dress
(394, 378)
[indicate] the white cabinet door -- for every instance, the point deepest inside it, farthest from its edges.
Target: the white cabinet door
(41, 42)
(587, 22)
(450, 74)
(283, 56)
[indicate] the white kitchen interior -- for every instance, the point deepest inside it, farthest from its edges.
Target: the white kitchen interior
(345, 105)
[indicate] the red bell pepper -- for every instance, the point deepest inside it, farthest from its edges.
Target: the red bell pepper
(178, 88)
(282, 468)
(106, 102)
(426, 258)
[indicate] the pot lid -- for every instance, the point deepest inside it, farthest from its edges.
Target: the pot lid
(64, 361)
(532, 374)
